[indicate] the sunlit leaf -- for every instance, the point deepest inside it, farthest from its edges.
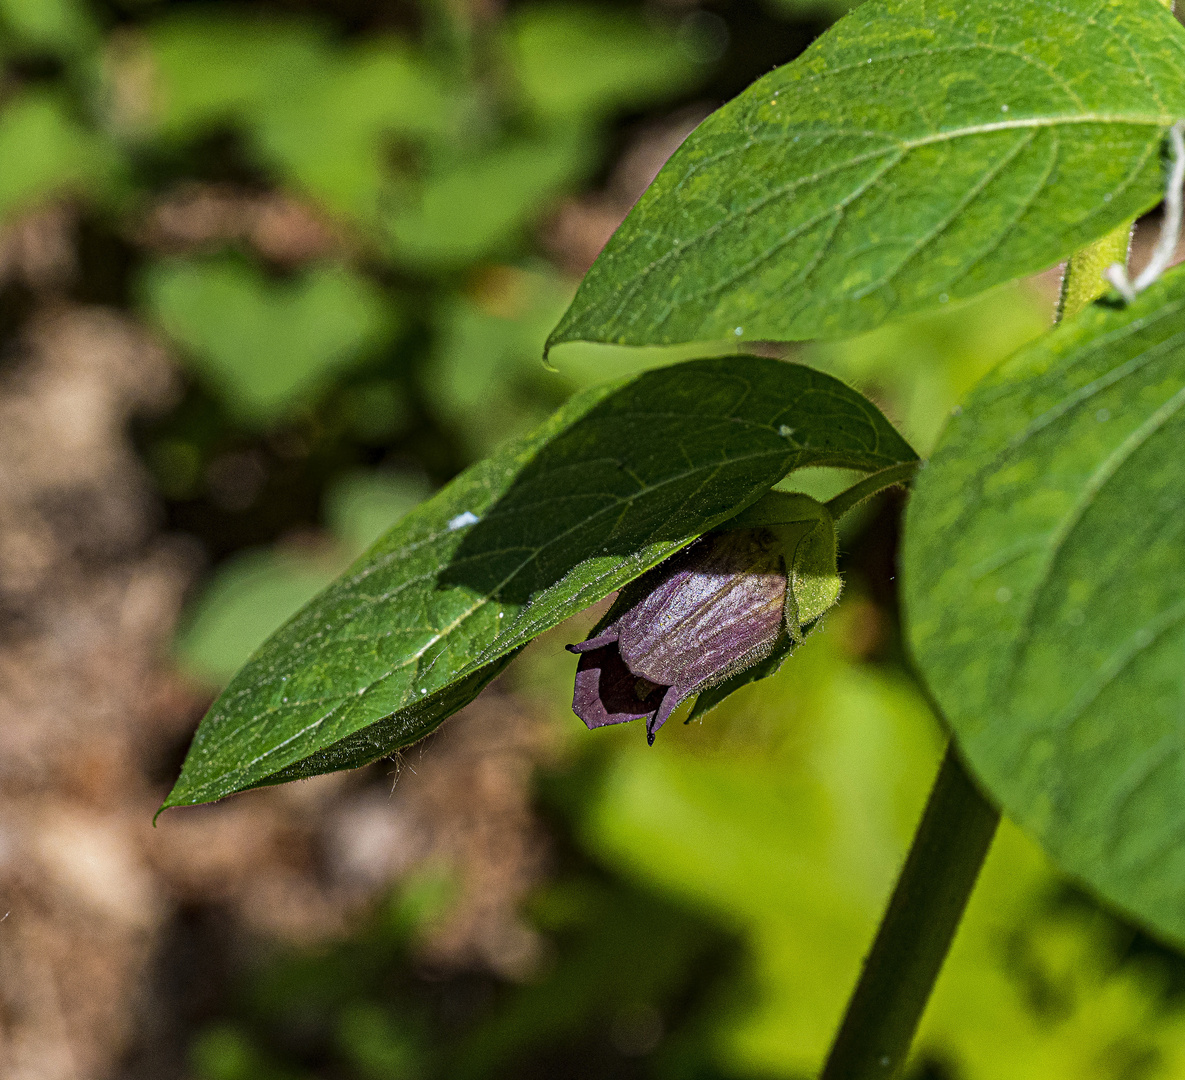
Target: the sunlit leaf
(56, 25)
(1045, 592)
(574, 62)
(47, 154)
(917, 153)
(334, 140)
(320, 113)
(213, 72)
(481, 203)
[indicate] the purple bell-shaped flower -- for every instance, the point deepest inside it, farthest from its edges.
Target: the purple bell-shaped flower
(717, 608)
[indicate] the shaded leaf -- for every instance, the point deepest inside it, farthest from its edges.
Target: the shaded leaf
(1045, 592)
(917, 152)
(618, 479)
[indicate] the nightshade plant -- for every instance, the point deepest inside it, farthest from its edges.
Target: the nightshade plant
(920, 152)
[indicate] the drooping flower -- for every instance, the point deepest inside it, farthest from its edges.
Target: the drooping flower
(720, 606)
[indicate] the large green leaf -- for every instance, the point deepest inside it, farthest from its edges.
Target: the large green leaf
(1044, 577)
(614, 482)
(919, 152)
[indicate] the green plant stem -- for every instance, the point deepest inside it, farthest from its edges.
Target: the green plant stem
(871, 485)
(927, 905)
(1083, 281)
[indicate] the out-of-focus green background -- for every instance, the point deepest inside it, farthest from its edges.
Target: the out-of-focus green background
(343, 229)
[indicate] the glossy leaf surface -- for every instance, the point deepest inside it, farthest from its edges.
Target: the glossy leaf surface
(1044, 572)
(618, 479)
(918, 152)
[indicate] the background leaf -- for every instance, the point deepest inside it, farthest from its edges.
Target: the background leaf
(63, 26)
(47, 154)
(916, 153)
(212, 71)
(321, 114)
(574, 62)
(483, 203)
(628, 474)
(267, 346)
(1045, 589)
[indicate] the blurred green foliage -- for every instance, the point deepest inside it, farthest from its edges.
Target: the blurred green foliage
(264, 347)
(711, 913)
(713, 895)
(47, 153)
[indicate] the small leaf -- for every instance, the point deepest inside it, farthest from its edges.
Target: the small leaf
(616, 481)
(211, 71)
(334, 139)
(265, 346)
(47, 154)
(62, 26)
(1044, 573)
(575, 63)
(484, 202)
(918, 152)
(321, 113)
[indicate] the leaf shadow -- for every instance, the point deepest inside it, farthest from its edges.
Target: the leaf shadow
(658, 461)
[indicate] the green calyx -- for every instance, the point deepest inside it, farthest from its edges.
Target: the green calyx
(806, 533)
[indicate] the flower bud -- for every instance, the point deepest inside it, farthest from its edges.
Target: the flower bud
(729, 601)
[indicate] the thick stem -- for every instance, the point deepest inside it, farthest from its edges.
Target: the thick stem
(927, 905)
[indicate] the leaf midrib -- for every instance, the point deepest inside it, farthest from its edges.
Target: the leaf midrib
(897, 146)
(1079, 397)
(473, 665)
